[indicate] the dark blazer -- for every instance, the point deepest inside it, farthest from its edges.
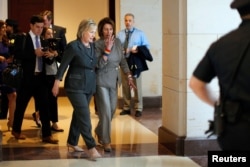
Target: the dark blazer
(18, 46)
(59, 32)
(28, 59)
(81, 61)
(137, 61)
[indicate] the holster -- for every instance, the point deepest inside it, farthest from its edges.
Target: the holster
(227, 111)
(232, 111)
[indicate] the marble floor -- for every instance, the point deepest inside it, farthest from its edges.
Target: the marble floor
(134, 143)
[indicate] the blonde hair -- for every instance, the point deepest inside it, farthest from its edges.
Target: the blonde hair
(85, 25)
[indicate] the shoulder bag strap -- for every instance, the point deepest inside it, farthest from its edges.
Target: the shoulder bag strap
(243, 53)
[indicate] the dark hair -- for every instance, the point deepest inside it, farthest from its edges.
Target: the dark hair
(47, 13)
(101, 24)
(244, 10)
(36, 19)
(12, 23)
(5, 39)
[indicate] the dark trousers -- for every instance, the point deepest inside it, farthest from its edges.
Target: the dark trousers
(236, 136)
(34, 86)
(4, 106)
(81, 122)
(53, 106)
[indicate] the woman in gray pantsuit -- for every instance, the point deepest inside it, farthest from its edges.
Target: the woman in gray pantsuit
(80, 84)
(110, 58)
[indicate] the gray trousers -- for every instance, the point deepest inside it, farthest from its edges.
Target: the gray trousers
(126, 93)
(106, 100)
(81, 122)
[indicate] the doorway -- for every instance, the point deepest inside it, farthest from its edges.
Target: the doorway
(22, 10)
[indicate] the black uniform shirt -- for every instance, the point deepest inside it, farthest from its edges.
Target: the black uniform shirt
(221, 60)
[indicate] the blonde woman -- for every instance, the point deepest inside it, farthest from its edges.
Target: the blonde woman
(80, 85)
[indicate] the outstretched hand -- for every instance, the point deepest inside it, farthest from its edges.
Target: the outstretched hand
(109, 42)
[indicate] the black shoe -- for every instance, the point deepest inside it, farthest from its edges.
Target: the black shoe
(56, 130)
(107, 148)
(138, 113)
(18, 135)
(125, 112)
(50, 140)
(37, 122)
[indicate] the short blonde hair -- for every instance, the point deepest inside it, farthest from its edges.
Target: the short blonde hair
(85, 25)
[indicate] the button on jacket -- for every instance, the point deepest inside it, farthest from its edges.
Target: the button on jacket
(81, 75)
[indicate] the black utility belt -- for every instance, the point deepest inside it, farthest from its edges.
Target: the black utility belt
(235, 111)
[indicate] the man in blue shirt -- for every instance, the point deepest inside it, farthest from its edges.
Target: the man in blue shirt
(131, 38)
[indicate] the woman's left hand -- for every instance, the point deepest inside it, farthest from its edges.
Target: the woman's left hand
(131, 83)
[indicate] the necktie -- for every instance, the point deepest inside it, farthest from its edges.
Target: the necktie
(126, 41)
(39, 59)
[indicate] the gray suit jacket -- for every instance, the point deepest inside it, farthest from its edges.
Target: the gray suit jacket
(81, 77)
(108, 72)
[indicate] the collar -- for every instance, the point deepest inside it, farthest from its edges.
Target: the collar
(130, 30)
(33, 35)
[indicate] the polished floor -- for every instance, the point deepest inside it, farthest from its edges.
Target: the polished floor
(134, 143)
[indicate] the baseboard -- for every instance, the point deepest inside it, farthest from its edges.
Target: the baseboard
(171, 141)
(148, 102)
(183, 146)
(200, 146)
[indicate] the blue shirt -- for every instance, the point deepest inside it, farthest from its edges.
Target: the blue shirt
(136, 38)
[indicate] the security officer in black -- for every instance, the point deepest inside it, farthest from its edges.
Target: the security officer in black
(221, 61)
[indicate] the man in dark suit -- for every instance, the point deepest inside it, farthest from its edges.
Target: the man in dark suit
(59, 33)
(33, 82)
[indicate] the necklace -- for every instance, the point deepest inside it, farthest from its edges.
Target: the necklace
(87, 45)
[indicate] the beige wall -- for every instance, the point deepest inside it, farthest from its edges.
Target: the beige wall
(148, 13)
(3, 9)
(69, 13)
